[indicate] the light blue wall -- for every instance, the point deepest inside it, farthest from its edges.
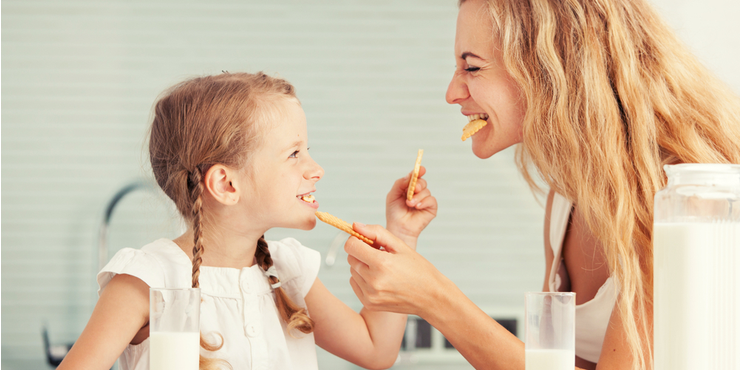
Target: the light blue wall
(80, 77)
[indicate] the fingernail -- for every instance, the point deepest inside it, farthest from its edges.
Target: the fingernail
(407, 176)
(360, 224)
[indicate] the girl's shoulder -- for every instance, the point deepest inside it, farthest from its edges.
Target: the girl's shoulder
(294, 261)
(159, 264)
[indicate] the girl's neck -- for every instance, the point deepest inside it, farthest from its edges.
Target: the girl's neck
(235, 251)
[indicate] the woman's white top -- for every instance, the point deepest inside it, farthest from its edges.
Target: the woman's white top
(239, 304)
(592, 317)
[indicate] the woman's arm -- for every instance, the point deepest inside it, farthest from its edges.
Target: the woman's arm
(401, 280)
(121, 311)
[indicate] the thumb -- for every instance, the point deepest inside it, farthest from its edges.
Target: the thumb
(381, 237)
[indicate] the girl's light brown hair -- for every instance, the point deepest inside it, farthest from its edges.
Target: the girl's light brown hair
(208, 120)
(612, 95)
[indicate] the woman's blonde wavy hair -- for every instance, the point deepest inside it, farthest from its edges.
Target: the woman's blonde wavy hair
(204, 121)
(612, 95)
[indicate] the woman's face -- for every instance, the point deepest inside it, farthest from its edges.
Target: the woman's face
(481, 85)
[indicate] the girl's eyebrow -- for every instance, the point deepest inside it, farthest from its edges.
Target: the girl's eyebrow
(295, 144)
(467, 54)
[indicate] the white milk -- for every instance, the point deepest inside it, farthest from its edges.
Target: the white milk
(549, 359)
(697, 295)
(174, 350)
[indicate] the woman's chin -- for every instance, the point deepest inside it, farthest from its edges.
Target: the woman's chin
(481, 146)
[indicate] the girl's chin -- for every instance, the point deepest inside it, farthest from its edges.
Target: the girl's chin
(308, 225)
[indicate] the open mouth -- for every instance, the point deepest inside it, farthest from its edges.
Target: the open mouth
(474, 117)
(307, 198)
(475, 123)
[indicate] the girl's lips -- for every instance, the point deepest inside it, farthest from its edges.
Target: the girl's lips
(308, 200)
(314, 205)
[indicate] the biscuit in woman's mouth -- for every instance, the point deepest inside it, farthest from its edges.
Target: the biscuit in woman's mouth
(477, 121)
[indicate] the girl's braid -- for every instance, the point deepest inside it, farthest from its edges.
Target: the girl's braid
(293, 315)
(196, 189)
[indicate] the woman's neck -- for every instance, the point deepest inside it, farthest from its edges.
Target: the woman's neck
(222, 250)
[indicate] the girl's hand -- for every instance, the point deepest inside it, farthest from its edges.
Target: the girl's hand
(407, 218)
(396, 279)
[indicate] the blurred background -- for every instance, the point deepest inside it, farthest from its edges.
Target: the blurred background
(78, 82)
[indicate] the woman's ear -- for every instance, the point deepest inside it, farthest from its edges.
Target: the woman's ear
(220, 182)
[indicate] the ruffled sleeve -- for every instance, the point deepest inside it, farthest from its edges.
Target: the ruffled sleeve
(297, 265)
(136, 263)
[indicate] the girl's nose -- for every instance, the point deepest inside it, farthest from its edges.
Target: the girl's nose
(314, 171)
(457, 91)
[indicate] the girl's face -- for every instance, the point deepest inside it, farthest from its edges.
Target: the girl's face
(481, 85)
(280, 172)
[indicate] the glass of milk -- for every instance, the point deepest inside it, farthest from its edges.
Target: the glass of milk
(174, 329)
(696, 254)
(550, 331)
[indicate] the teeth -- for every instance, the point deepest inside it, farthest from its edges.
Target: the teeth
(474, 117)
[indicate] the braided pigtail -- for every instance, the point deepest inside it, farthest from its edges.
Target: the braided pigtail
(195, 186)
(295, 316)
(195, 190)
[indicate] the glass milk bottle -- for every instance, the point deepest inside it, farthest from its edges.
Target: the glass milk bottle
(696, 254)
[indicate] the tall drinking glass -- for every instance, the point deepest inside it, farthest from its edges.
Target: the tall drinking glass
(550, 331)
(174, 329)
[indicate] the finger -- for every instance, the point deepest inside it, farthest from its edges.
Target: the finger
(422, 171)
(419, 197)
(354, 262)
(400, 186)
(382, 237)
(360, 275)
(358, 290)
(361, 251)
(421, 185)
(428, 202)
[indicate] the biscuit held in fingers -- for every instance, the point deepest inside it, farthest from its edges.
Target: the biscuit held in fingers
(341, 225)
(397, 280)
(414, 175)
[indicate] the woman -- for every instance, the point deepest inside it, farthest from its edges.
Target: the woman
(601, 95)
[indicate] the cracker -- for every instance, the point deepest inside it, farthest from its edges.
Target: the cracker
(341, 225)
(472, 127)
(414, 176)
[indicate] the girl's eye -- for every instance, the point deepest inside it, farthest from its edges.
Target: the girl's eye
(294, 154)
(472, 69)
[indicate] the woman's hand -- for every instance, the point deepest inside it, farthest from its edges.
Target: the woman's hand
(396, 279)
(407, 218)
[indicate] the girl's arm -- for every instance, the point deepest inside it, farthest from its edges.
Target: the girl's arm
(122, 310)
(370, 339)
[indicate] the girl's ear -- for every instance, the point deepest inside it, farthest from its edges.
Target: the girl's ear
(220, 182)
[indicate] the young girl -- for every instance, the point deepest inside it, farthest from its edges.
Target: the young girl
(232, 152)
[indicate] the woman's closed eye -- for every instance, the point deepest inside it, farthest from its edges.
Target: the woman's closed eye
(472, 69)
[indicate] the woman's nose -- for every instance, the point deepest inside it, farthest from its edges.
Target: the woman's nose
(457, 91)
